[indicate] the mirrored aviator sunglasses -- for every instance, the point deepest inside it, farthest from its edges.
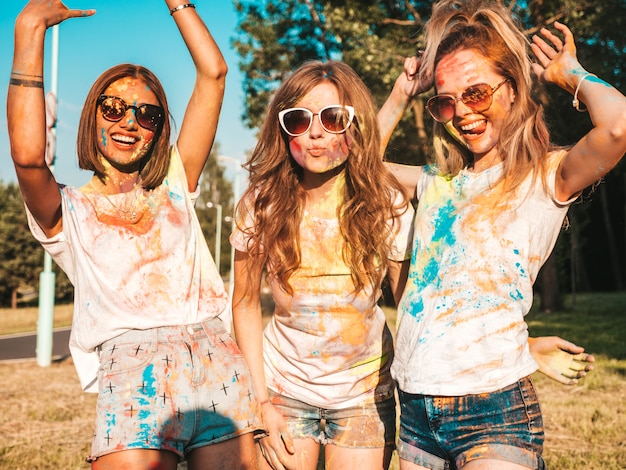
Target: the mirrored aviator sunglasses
(114, 109)
(335, 119)
(476, 97)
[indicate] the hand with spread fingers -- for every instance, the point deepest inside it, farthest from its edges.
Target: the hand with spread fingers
(556, 57)
(561, 360)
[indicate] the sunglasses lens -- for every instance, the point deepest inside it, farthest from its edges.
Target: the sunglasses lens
(113, 109)
(297, 121)
(477, 97)
(149, 116)
(442, 108)
(335, 118)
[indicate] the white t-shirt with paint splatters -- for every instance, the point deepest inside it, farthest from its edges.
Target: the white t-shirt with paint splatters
(324, 346)
(151, 272)
(461, 327)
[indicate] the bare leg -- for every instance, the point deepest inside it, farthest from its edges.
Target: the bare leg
(339, 458)
(234, 454)
(137, 459)
(305, 458)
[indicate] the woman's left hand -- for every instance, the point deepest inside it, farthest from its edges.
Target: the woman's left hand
(556, 60)
(559, 359)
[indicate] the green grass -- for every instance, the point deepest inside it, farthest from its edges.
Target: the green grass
(585, 424)
(595, 321)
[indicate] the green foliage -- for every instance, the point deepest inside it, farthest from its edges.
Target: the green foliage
(20, 254)
(21, 257)
(216, 189)
(275, 37)
(374, 36)
(595, 321)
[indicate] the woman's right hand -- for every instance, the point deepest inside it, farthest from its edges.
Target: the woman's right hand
(50, 12)
(277, 447)
(412, 83)
(408, 84)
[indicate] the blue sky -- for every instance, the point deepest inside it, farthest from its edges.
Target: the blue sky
(137, 31)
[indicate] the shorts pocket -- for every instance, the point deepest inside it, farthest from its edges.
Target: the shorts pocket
(225, 345)
(118, 358)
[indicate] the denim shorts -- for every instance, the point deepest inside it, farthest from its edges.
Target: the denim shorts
(172, 388)
(370, 425)
(445, 433)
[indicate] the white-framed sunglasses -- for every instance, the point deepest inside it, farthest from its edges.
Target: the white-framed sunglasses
(335, 119)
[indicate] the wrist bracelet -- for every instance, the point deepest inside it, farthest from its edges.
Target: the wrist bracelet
(26, 83)
(181, 7)
(575, 102)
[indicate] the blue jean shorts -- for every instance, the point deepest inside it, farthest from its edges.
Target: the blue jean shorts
(370, 425)
(172, 388)
(445, 433)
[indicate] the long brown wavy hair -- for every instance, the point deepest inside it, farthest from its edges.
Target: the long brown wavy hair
(487, 27)
(154, 164)
(370, 194)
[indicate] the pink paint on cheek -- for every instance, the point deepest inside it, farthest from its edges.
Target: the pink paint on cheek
(296, 152)
(294, 146)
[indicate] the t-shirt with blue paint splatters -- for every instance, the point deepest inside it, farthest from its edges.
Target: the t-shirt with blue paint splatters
(476, 255)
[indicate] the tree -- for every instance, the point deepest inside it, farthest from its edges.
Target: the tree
(19, 252)
(21, 256)
(215, 189)
(373, 37)
(276, 36)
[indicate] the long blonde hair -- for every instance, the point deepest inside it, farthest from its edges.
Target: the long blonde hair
(370, 194)
(487, 27)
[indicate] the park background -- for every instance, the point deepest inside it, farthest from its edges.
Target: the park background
(582, 284)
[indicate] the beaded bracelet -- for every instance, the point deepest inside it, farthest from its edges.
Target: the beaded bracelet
(180, 7)
(575, 102)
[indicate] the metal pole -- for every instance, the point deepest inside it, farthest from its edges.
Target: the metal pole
(231, 280)
(236, 183)
(218, 232)
(45, 322)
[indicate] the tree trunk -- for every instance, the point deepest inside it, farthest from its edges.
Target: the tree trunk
(612, 245)
(550, 293)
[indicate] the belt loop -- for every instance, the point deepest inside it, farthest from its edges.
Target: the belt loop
(155, 340)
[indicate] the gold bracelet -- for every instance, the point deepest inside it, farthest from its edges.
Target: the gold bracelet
(181, 7)
(575, 102)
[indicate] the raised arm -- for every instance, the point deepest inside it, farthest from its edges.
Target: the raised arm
(407, 85)
(26, 114)
(603, 147)
(199, 125)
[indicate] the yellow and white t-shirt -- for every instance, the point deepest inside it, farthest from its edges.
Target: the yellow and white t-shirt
(325, 346)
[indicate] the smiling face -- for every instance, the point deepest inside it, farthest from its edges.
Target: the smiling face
(123, 144)
(318, 151)
(478, 132)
